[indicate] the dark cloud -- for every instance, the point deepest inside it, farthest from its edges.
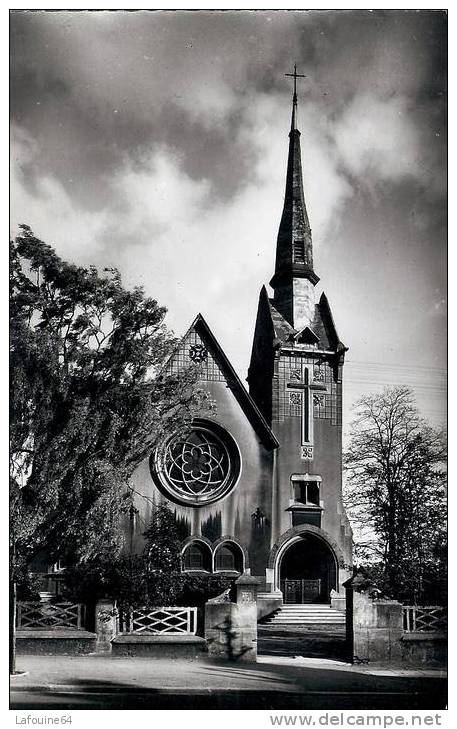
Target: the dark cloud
(156, 141)
(115, 82)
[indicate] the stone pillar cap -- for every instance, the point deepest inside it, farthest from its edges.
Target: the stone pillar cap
(246, 579)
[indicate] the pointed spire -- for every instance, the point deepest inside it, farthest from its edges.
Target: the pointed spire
(294, 75)
(293, 125)
(294, 250)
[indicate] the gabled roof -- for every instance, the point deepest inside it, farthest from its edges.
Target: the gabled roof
(306, 335)
(244, 399)
(322, 327)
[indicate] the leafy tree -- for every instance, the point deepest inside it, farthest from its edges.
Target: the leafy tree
(151, 579)
(88, 402)
(163, 545)
(395, 495)
(163, 557)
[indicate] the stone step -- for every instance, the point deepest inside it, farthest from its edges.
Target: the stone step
(312, 613)
(311, 617)
(308, 615)
(320, 621)
(306, 606)
(309, 611)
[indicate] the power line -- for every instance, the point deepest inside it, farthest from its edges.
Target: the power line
(384, 365)
(417, 386)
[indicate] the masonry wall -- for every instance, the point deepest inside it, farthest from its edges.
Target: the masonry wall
(245, 513)
(326, 442)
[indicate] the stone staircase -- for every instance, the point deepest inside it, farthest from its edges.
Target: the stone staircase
(306, 615)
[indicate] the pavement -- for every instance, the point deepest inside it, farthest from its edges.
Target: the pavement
(274, 682)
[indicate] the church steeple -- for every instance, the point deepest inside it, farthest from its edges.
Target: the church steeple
(294, 278)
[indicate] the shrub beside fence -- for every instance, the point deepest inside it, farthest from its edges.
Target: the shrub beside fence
(49, 616)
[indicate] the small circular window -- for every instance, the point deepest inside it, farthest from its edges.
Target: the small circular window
(199, 467)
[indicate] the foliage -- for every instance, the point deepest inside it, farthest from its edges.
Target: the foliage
(128, 581)
(28, 586)
(123, 579)
(163, 556)
(197, 589)
(163, 545)
(87, 401)
(152, 579)
(396, 496)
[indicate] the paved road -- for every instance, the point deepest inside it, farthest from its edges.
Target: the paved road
(95, 682)
(231, 700)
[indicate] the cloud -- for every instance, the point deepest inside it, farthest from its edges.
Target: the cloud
(157, 142)
(48, 208)
(379, 138)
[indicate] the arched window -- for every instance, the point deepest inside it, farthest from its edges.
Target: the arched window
(228, 558)
(197, 556)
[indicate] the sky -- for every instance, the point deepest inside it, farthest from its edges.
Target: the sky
(157, 142)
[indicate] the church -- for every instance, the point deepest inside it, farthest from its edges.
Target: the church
(257, 487)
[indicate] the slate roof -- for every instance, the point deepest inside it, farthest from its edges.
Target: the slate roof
(322, 325)
(283, 330)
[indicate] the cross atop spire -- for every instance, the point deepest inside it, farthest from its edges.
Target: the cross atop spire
(294, 75)
(294, 278)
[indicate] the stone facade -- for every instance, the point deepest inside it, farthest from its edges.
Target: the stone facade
(257, 487)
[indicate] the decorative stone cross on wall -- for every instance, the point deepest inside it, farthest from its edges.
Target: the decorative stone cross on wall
(307, 389)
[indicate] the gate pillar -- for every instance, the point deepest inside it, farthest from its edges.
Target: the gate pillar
(231, 627)
(105, 625)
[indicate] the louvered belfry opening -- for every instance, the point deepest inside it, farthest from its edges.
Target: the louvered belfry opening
(299, 250)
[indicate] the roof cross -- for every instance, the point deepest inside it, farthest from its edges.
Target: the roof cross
(295, 75)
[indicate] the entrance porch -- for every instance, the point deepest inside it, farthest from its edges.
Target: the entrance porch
(307, 570)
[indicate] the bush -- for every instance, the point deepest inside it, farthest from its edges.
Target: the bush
(153, 579)
(432, 589)
(129, 583)
(28, 587)
(199, 588)
(123, 580)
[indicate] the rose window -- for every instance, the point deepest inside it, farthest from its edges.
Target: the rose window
(199, 467)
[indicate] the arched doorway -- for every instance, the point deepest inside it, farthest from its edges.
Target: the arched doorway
(307, 570)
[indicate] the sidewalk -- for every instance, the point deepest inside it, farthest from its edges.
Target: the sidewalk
(270, 673)
(123, 673)
(103, 681)
(369, 670)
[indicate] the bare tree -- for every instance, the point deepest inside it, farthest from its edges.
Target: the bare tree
(395, 493)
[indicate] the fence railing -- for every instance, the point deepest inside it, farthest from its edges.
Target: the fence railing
(427, 619)
(49, 616)
(157, 621)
